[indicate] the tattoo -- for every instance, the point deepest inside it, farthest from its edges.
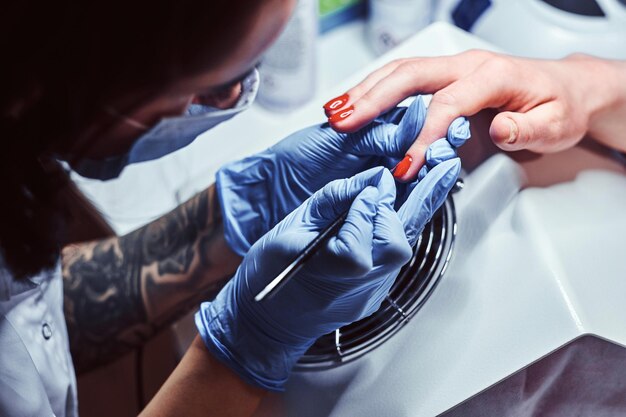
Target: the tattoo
(120, 291)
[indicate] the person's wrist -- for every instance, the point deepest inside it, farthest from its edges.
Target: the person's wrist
(237, 334)
(602, 85)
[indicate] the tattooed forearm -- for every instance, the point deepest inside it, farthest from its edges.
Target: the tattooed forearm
(121, 291)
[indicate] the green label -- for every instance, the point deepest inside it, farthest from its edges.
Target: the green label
(331, 6)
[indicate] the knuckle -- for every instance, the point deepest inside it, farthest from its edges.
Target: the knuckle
(358, 265)
(415, 69)
(399, 252)
(369, 97)
(498, 65)
(557, 123)
(578, 56)
(371, 103)
(477, 55)
(443, 98)
(558, 126)
(397, 62)
(350, 259)
(526, 134)
(408, 68)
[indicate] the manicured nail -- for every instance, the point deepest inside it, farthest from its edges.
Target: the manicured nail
(336, 103)
(342, 114)
(513, 131)
(402, 167)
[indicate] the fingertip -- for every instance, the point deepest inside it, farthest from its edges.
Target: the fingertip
(435, 126)
(459, 131)
(386, 179)
(366, 179)
(407, 169)
(355, 116)
(387, 188)
(450, 171)
(456, 162)
(335, 104)
(427, 196)
(504, 132)
(341, 115)
(500, 130)
(345, 125)
(439, 151)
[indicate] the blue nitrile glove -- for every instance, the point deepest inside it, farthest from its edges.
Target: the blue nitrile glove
(259, 191)
(344, 282)
(445, 148)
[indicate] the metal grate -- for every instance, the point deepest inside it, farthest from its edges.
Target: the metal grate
(414, 284)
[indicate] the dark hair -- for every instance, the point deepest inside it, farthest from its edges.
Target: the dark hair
(61, 62)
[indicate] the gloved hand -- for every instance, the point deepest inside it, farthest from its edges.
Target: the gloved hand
(344, 282)
(259, 191)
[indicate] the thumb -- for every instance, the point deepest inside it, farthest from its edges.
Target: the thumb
(537, 129)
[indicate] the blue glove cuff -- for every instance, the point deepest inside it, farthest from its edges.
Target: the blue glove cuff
(223, 354)
(234, 335)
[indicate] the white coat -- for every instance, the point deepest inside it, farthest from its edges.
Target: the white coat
(36, 372)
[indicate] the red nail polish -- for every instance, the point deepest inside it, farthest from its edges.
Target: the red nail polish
(341, 114)
(336, 103)
(402, 167)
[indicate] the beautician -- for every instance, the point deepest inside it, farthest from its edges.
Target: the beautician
(96, 86)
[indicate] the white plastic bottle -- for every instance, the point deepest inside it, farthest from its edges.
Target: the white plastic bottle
(288, 69)
(392, 21)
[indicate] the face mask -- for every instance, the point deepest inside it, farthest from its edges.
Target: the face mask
(169, 135)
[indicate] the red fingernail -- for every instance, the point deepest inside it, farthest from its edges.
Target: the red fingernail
(402, 167)
(336, 103)
(341, 114)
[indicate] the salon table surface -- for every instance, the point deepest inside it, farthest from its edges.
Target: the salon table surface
(148, 190)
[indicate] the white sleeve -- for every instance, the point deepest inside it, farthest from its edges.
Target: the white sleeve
(21, 390)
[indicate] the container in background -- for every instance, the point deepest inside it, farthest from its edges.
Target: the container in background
(392, 21)
(288, 69)
(334, 13)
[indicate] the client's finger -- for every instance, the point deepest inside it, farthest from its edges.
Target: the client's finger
(465, 97)
(337, 103)
(424, 75)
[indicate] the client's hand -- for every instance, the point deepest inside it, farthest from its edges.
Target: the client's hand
(543, 105)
